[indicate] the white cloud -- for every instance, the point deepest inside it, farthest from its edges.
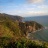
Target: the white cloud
(35, 1)
(34, 13)
(42, 6)
(29, 10)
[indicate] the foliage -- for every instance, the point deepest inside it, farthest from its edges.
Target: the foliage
(13, 33)
(22, 43)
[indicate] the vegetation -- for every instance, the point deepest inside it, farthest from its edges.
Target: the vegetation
(13, 33)
(22, 43)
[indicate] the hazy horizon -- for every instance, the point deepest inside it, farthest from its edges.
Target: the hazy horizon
(27, 16)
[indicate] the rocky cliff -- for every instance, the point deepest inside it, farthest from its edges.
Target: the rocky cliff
(14, 27)
(29, 26)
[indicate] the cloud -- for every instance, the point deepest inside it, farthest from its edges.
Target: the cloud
(35, 1)
(27, 10)
(34, 13)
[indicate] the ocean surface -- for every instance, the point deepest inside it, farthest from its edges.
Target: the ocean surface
(42, 34)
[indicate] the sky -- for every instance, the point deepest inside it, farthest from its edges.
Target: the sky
(24, 7)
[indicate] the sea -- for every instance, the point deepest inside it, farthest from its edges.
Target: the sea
(42, 34)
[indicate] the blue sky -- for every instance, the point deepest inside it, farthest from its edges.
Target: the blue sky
(24, 7)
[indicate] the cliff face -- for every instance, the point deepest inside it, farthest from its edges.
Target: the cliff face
(30, 26)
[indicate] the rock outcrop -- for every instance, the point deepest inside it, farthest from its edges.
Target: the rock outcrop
(29, 26)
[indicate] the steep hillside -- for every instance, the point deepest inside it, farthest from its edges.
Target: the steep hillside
(10, 27)
(4, 16)
(13, 33)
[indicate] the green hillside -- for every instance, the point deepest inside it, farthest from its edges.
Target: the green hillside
(13, 33)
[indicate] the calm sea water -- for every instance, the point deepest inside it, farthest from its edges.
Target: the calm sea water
(42, 34)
